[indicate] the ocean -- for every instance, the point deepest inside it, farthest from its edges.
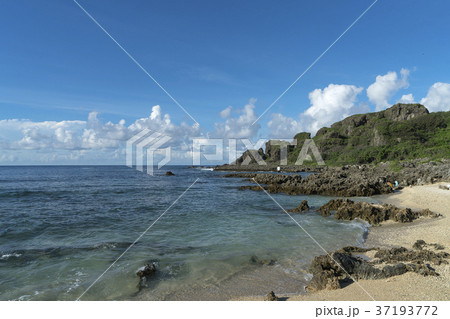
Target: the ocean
(61, 227)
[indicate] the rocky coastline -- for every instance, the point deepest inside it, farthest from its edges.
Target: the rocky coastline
(336, 270)
(345, 181)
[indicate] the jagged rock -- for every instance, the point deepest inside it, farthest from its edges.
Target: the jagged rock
(300, 208)
(329, 270)
(374, 214)
(169, 173)
(419, 257)
(404, 112)
(419, 244)
(332, 205)
(346, 181)
(144, 273)
(271, 297)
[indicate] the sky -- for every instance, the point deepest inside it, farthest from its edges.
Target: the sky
(70, 95)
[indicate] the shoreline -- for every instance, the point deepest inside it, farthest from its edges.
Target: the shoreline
(409, 286)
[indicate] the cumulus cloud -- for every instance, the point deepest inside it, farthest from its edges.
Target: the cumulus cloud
(92, 134)
(438, 97)
(406, 98)
(282, 127)
(334, 103)
(328, 105)
(226, 112)
(239, 126)
(385, 86)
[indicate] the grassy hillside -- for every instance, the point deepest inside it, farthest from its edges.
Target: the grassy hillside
(402, 132)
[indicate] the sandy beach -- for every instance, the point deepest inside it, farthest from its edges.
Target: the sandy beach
(410, 286)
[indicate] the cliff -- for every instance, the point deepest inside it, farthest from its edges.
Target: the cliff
(401, 132)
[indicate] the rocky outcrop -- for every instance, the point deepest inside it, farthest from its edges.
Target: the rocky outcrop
(402, 254)
(401, 132)
(346, 209)
(404, 112)
(420, 244)
(144, 273)
(345, 265)
(300, 208)
(169, 173)
(350, 180)
(250, 157)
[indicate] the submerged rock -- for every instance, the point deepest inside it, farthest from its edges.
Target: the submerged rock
(256, 261)
(301, 208)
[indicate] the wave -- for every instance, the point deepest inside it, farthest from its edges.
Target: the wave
(7, 256)
(29, 193)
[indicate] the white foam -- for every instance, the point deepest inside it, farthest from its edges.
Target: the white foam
(6, 256)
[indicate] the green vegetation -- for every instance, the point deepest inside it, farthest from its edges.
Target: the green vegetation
(402, 132)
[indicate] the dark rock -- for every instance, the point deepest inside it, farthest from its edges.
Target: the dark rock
(144, 274)
(418, 256)
(419, 244)
(267, 262)
(329, 270)
(346, 209)
(271, 297)
(169, 173)
(346, 181)
(301, 208)
(397, 269)
(146, 271)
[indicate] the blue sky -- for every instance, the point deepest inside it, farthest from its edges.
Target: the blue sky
(57, 65)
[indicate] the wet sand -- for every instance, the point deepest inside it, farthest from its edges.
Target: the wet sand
(410, 286)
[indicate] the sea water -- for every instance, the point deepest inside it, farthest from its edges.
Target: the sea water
(61, 227)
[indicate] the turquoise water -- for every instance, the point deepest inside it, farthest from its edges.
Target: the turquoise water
(62, 227)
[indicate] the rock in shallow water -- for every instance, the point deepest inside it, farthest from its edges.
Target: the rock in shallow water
(144, 273)
(301, 208)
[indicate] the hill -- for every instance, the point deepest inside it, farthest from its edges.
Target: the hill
(401, 132)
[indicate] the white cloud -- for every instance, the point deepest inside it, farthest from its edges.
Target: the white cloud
(438, 97)
(282, 127)
(76, 137)
(385, 86)
(333, 103)
(226, 112)
(240, 126)
(406, 98)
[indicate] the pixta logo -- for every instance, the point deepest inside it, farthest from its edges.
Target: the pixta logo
(141, 148)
